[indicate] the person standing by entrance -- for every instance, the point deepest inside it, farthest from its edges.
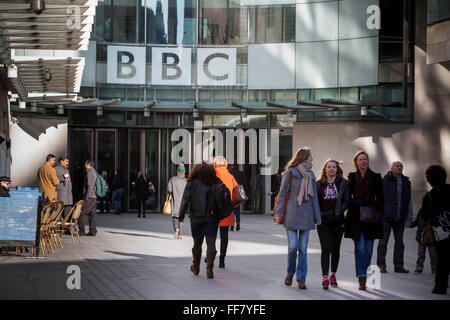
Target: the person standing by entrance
(302, 212)
(398, 214)
(5, 184)
(141, 189)
(220, 165)
(366, 190)
(240, 178)
(90, 201)
(176, 187)
(334, 198)
(47, 178)
(118, 188)
(64, 187)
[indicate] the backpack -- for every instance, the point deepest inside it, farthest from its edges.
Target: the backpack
(220, 200)
(100, 187)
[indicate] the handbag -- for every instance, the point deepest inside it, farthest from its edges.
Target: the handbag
(368, 214)
(239, 196)
(167, 209)
(427, 236)
(285, 203)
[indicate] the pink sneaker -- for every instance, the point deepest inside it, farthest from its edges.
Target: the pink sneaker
(325, 282)
(333, 281)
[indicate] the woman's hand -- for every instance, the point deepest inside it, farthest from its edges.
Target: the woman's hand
(319, 222)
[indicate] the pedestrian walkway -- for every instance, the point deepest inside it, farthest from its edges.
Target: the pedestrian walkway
(135, 258)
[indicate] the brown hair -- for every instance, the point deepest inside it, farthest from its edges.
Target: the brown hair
(355, 159)
(323, 172)
(140, 174)
(300, 156)
(205, 172)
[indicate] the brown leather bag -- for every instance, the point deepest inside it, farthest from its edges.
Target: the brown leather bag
(285, 203)
(167, 209)
(427, 235)
(368, 214)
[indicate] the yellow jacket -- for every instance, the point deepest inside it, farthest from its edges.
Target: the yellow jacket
(48, 181)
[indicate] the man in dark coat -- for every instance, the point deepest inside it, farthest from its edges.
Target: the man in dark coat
(64, 188)
(397, 216)
(240, 178)
(5, 183)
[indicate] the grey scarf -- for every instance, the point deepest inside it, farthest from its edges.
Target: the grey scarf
(306, 187)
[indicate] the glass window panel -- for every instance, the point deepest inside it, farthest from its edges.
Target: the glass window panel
(171, 21)
(317, 64)
(303, 94)
(358, 62)
(169, 94)
(220, 21)
(103, 22)
(258, 95)
(255, 120)
(227, 120)
(205, 95)
(189, 95)
(283, 95)
(282, 120)
(111, 93)
(167, 119)
(271, 24)
(368, 94)
(134, 164)
(149, 94)
(349, 94)
(318, 94)
(206, 119)
(227, 95)
(128, 17)
(111, 117)
(134, 94)
(394, 95)
(317, 21)
(353, 19)
(86, 92)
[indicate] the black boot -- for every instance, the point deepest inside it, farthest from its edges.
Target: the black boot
(210, 256)
(195, 267)
(222, 261)
(238, 226)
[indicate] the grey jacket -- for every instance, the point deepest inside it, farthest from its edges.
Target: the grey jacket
(64, 189)
(301, 217)
(176, 186)
(89, 182)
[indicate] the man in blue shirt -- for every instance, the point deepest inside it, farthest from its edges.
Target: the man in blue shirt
(397, 215)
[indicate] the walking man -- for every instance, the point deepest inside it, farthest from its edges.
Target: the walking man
(397, 215)
(64, 187)
(47, 178)
(90, 201)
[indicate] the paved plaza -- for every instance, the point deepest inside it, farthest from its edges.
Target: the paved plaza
(133, 258)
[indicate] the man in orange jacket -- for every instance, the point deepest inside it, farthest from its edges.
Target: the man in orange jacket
(47, 178)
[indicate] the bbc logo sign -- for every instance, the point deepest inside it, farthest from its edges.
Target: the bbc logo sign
(172, 66)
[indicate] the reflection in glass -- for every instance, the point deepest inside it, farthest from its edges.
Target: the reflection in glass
(221, 21)
(151, 167)
(134, 164)
(106, 151)
(171, 21)
(271, 24)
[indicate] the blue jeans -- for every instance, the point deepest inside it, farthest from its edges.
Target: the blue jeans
(298, 241)
(363, 255)
(117, 198)
(237, 214)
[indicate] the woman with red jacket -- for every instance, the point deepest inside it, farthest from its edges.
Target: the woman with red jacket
(220, 165)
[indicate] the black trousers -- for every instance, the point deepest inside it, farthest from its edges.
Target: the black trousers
(223, 240)
(202, 230)
(443, 265)
(399, 248)
(89, 210)
(141, 203)
(66, 211)
(330, 236)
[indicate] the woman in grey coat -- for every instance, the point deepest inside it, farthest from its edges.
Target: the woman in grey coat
(302, 211)
(176, 186)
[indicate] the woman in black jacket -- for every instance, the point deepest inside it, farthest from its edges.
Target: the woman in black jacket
(203, 225)
(436, 203)
(141, 190)
(334, 198)
(366, 192)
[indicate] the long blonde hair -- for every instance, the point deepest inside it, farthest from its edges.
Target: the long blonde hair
(355, 159)
(323, 172)
(300, 156)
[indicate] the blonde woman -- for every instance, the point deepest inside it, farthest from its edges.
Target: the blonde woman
(302, 212)
(334, 199)
(366, 190)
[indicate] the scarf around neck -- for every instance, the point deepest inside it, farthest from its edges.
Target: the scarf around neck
(306, 187)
